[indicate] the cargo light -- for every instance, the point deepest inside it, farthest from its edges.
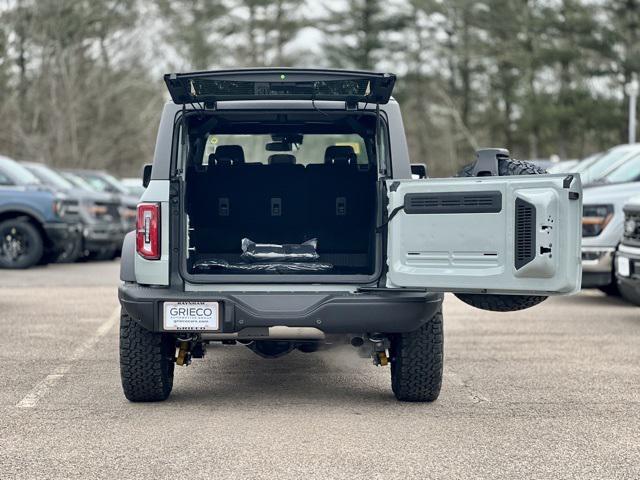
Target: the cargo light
(148, 231)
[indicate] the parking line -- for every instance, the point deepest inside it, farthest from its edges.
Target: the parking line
(43, 387)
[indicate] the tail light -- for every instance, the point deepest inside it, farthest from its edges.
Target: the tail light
(148, 231)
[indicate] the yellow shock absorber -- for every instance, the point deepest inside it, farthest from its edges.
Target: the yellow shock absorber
(182, 353)
(383, 359)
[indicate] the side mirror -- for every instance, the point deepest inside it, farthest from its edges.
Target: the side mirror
(418, 169)
(146, 174)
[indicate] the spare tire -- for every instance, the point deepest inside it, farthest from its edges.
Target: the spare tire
(503, 303)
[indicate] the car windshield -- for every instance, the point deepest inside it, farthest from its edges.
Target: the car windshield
(629, 171)
(103, 182)
(18, 174)
(49, 176)
(609, 160)
(585, 163)
(78, 181)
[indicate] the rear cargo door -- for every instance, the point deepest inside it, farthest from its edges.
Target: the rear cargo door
(513, 235)
(350, 87)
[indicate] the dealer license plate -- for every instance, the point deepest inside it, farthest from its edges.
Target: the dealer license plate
(194, 316)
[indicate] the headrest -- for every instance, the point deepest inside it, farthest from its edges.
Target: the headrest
(229, 153)
(282, 159)
(340, 155)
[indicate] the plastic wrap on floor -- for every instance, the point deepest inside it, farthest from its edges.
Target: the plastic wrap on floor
(222, 266)
(271, 252)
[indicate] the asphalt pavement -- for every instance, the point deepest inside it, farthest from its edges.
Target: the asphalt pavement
(551, 392)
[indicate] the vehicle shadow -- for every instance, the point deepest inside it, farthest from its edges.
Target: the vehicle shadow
(238, 377)
(589, 298)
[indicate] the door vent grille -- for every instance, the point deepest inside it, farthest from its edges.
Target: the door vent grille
(449, 202)
(525, 237)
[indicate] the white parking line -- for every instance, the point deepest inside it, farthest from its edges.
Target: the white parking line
(43, 387)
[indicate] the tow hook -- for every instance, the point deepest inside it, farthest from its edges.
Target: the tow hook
(184, 355)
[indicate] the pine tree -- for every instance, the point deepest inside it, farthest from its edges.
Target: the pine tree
(264, 29)
(358, 36)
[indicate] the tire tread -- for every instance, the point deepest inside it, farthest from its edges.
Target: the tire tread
(146, 365)
(417, 361)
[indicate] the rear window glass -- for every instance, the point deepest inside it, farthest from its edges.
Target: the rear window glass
(311, 150)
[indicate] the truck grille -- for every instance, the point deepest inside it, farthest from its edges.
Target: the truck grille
(632, 227)
(525, 238)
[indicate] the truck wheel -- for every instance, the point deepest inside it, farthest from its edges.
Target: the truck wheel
(146, 362)
(21, 245)
(503, 303)
(71, 253)
(417, 360)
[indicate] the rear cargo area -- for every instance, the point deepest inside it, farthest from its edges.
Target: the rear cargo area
(276, 200)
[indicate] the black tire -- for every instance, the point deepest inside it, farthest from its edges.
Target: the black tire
(503, 303)
(417, 361)
(146, 362)
(71, 253)
(21, 244)
(630, 294)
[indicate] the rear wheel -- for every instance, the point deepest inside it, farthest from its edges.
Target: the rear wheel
(21, 245)
(417, 360)
(503, 303)
(146, 362)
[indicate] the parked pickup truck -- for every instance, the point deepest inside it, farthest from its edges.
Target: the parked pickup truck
(36, 224)
(280, 213)
(628, 255)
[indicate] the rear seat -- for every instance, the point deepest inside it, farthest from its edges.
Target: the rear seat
(340, 202)
(282, 216)
(231, 191)
(284, 202)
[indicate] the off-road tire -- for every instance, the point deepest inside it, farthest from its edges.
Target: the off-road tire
(146, 362)
(417, 360)
(503, 303)
(32, 238)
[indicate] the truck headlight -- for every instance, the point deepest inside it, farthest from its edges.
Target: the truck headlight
(96, 210)
(595, 218)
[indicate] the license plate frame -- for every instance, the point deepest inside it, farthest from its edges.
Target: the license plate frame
(191, 316)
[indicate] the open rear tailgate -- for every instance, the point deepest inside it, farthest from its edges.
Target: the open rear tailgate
(280, 84)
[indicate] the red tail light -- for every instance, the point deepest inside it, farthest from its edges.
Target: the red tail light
(148, 231)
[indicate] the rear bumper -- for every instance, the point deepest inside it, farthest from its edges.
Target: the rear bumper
(330, 312)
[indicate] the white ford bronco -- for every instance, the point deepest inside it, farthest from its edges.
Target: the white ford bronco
(282, 212)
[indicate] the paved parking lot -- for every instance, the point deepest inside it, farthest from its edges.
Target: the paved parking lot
(552, 392)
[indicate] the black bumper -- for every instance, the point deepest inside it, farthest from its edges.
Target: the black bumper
(596, 279)
(60, 234)
(632, 282)
(331, 312)
(102, 237)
